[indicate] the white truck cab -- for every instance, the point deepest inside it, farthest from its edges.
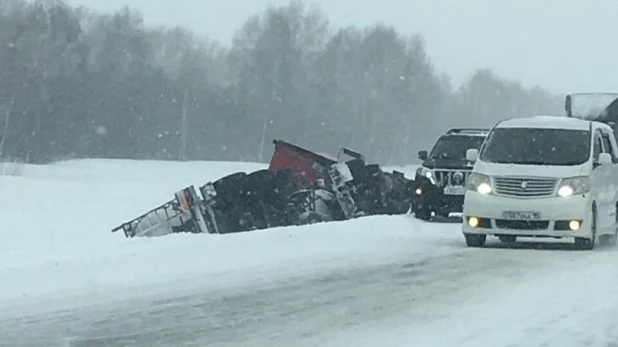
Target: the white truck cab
(543, 176)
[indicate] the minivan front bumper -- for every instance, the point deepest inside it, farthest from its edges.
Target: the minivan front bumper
(555, 216)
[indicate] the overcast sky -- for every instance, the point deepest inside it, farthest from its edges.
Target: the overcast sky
(562, 45)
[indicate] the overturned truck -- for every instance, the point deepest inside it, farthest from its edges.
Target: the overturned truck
(298, 187)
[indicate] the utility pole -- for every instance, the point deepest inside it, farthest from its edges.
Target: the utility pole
(263, 140)
(184, 127)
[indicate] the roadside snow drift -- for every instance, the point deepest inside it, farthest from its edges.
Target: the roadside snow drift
(56, 223)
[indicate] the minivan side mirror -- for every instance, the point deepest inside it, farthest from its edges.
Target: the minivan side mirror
(472, 154)
(605, 159)
(422, 155)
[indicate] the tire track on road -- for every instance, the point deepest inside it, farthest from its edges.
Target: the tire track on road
(303, 310)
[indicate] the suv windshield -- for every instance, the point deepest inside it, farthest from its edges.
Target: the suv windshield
(455, 147)
(536, 146)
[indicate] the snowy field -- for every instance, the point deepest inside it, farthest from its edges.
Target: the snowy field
(66, 280)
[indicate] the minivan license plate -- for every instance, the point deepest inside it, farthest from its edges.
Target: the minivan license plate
(513, 215)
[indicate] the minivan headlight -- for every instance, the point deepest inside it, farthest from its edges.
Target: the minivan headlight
(480, 183)
(573, 186)
(427, 173)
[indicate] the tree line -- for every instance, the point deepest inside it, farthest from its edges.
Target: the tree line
(75, 83)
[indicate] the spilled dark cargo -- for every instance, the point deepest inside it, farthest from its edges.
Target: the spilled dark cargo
(299, 187)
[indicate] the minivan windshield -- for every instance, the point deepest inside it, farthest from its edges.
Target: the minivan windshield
(454, 147)
(537, 146)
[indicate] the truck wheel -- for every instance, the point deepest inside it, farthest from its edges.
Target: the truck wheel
(311, 218)
(475, 240)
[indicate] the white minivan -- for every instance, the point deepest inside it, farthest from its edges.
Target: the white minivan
(543, 176)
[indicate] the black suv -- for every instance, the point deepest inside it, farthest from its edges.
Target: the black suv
(440, 182)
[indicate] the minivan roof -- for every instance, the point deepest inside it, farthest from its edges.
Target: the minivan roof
(482, 132)
(553, 122)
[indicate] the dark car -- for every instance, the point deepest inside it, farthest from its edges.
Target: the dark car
(440, 182)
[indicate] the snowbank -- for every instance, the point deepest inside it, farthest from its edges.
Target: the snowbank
(55, 224)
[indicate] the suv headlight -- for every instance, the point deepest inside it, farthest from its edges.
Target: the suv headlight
(427, 173)
(574, 186)
(480, 183)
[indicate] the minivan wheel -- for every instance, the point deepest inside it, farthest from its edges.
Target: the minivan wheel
(614, 238)
(610, 240)
(585, 243)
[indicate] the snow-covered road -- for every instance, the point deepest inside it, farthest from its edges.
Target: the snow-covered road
(568, 300)
(375, 281)
(489, 297)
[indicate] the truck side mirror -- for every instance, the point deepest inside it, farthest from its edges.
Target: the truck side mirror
(422, 155)
(472, 154)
